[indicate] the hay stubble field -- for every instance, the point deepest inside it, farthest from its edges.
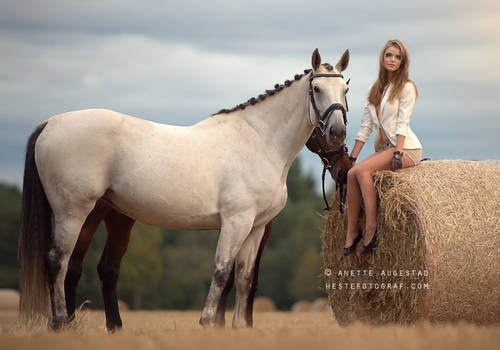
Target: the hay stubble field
(272, 330)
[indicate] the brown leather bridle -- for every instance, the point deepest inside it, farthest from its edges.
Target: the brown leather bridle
(336, 161)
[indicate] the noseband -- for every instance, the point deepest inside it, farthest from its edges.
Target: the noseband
(335, 106)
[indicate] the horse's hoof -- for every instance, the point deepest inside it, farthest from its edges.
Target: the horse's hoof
(208, 323)
(240, 325)
(57, 323)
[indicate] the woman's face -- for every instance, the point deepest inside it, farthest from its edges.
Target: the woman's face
(392, 58)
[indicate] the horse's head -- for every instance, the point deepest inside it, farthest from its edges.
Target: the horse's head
(327, 93)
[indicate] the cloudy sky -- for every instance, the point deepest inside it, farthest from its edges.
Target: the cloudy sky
(177, 62)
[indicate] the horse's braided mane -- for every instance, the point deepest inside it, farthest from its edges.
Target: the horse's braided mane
(277, 88)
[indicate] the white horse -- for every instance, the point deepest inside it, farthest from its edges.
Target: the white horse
(227, 172)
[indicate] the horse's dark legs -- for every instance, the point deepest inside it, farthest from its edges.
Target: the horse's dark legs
(220, 319)
(75, 263)
(119, 227)
(247, 271)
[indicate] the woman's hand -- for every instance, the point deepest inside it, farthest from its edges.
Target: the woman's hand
(352, 160)
(397, 160)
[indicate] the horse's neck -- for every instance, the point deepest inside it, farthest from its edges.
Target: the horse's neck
(282, 121)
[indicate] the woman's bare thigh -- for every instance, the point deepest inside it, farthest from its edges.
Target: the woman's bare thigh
(382, 161)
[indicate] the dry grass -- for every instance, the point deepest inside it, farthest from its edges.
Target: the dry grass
(272, 330)
(440, 217)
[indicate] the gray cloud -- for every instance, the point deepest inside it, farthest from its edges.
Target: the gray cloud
(177, 62)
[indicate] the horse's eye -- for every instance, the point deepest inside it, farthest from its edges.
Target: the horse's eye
(317, 89)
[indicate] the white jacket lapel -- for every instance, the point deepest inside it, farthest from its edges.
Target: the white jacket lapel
(384, 100)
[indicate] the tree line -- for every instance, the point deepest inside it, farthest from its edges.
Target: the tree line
(172, 269)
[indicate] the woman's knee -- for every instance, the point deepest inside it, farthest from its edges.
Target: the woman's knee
(363, 174)
(352, 174)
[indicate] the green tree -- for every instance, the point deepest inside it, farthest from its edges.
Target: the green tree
(141, 267)
(291, 261)
(10, 212)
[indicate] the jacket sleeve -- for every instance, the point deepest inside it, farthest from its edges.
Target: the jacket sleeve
(366, 126)
(406, 104)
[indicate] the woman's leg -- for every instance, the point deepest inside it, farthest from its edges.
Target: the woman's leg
(353, 206)
(353, 203)
(364, 176)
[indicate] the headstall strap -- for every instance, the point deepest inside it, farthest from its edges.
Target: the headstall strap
(331, 108)
(322, 124)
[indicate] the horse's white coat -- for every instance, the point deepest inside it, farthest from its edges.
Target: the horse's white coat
(227, 172)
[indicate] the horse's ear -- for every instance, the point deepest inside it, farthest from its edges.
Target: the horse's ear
(343, 62)
(315, 59)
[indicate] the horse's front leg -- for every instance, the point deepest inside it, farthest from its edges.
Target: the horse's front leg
(247, 272)
(234, 231)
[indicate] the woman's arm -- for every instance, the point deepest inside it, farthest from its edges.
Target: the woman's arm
(406, 105)
(400, 142)
(366, 127)
(358, 146)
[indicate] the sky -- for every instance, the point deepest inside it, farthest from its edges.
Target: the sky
(177, 62)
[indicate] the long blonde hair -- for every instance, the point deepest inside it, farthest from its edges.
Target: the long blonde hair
(398, 79)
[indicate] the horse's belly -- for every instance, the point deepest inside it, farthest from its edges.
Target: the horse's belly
(167, 203)
(156, 212)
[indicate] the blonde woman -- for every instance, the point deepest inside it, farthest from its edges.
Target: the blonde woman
(388, 110)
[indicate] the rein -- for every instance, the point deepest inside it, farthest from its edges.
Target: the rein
(328, 164)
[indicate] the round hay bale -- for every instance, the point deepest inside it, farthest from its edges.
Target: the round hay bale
(437, 253)
(122, 306)
(321, 305)
(263, 304)
(9, 299)
(301, 306)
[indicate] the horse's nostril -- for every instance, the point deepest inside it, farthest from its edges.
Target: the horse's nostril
(337, 133)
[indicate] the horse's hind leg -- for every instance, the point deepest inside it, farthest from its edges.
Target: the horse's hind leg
(67, 227)
(246, 276)
(119, 227)
(74, 272)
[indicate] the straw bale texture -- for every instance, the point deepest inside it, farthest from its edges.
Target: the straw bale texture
(264, 304)
(438, 248)
(301, 306)
(321, 305)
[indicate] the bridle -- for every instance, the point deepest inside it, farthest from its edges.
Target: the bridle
(335, 106)
(331, 159)
(338, 153)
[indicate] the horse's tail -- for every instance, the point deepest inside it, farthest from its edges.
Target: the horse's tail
(34, 238)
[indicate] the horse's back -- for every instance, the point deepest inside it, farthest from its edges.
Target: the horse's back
(160, 174)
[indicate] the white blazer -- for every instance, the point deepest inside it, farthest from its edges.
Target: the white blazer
(394, 116)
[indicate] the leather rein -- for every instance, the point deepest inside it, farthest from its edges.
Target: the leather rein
(338, 154)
